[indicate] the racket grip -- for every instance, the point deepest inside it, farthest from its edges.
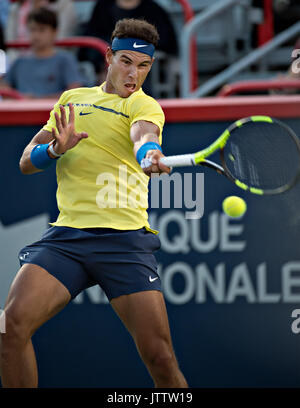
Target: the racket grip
(178, 161)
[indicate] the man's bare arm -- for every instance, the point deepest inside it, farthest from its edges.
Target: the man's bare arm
(42, 137)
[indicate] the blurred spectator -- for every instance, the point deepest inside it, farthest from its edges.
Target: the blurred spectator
(44, 72)
(107, 12)
(17, 30)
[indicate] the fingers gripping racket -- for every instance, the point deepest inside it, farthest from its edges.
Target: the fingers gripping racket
(259, 154)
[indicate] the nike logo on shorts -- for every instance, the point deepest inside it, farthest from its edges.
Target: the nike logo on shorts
(152, 279)
(23, 256)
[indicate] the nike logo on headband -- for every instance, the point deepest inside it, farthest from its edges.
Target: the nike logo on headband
(135, 45)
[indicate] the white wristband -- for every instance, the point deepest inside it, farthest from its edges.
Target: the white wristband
(53, 152)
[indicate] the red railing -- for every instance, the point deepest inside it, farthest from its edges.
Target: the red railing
(251, 86)
(11, 94)
(33, 112)
(91, 42)
(265, 31)
(187, 10)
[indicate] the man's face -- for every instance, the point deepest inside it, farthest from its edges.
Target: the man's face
(127, 71)
(41, 35)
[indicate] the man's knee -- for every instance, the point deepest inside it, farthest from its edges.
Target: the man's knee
(158, 355)
(164, 361)
(17, 330)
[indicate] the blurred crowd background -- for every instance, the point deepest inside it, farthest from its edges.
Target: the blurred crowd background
(39, 64)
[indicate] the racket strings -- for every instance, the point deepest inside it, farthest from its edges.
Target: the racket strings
(262, 155)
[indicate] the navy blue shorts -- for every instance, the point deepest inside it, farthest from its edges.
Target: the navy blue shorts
(120, 262)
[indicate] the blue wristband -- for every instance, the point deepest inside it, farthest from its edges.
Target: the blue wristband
(40, 158)
(141, 153)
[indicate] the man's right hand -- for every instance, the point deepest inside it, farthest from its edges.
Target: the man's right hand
(67, 137)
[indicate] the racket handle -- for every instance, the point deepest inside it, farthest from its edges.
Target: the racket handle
(177, 161)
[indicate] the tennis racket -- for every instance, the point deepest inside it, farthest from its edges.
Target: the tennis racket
(259, 154)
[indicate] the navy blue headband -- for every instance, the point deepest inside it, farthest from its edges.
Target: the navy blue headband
(133, 44)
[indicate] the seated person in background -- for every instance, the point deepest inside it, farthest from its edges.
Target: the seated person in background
(44, 72)
(17, 30)
(107, 12)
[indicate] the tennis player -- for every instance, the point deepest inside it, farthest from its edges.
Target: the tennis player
(102, 235)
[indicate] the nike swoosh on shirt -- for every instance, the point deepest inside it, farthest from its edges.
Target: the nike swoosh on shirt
(85, 113)
(152, 279)
(135, 45)
(110, 110)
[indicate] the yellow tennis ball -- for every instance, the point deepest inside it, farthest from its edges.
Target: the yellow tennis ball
(234, 206)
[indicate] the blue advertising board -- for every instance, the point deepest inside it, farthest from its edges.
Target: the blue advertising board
(231, 285)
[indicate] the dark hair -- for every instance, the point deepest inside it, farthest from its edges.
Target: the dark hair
(136, 28)
(43, 16)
